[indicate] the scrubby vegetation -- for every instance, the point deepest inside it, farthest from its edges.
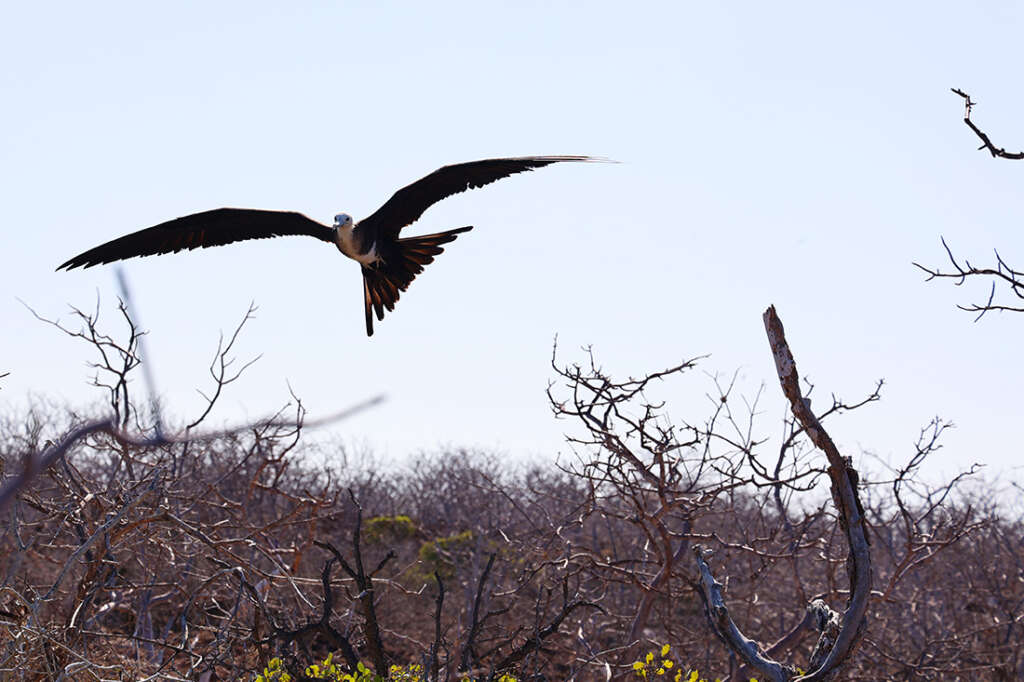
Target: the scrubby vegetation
(229, 556)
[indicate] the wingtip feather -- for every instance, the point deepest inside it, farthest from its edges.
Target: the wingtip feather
(70, 265)
(574, 157)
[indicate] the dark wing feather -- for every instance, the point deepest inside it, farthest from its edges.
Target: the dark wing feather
(409, 203)
(200, 230)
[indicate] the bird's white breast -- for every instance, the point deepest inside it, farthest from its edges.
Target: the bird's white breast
(347, 245)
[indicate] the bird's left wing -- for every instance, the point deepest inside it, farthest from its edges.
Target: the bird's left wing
(200, 230)
(409, 203)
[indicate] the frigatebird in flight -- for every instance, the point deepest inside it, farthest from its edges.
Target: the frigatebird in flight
(389, 264)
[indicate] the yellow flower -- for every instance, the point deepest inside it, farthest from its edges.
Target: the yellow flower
(638, 666)
(650, 656)
(667, 663)
(664, 650)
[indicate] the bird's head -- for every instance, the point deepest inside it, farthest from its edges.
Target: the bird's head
(343, 220)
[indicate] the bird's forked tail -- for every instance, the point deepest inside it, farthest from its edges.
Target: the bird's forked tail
(384, 281)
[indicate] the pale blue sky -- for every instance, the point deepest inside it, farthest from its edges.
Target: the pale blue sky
(797, 154)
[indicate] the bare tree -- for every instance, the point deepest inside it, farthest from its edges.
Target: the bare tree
(660, 489)
(674, 483)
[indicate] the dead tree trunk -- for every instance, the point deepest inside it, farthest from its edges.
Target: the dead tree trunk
(839, 632)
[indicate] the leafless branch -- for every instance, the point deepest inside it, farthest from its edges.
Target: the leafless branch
(1012, 278)
(364, 583)
(469, 657)
(725, 629)
(542, 632)
(220, 368)
(117, 358)
(433, 668)
(999, 152)
(322, 625)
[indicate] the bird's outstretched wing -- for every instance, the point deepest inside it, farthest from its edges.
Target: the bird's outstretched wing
(409, 203)
(200, 230)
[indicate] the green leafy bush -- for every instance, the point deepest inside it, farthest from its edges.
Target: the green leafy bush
(434, 555)
(389, 529)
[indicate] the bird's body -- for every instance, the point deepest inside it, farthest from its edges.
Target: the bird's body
(350, 244)
(389, 264)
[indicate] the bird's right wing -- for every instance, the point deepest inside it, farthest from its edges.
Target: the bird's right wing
(409, 203)
(201, 230)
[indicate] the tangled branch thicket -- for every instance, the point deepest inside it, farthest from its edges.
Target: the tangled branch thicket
(129, 557)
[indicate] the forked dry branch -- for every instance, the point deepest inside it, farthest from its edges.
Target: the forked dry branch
(1003, 273)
